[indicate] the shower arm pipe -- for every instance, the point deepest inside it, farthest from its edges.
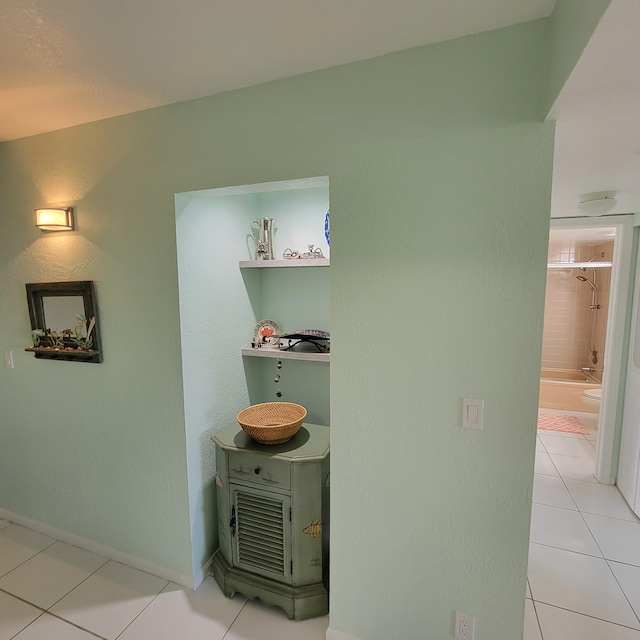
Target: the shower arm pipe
(594, 275)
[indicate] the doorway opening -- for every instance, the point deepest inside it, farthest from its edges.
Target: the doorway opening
(589, 265)
(574, 337)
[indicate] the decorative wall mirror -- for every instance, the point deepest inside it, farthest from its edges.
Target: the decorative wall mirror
(64, 321)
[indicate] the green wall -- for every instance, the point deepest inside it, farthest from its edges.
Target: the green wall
(571, 26)
(440, 173)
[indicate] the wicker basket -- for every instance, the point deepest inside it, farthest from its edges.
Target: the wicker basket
(272, 422)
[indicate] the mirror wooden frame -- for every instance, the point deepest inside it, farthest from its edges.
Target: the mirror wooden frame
(70, 350)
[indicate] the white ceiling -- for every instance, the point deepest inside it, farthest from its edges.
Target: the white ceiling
(66, 62)
(598, 117)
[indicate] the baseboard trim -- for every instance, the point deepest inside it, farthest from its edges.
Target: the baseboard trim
(184, 580)
(332, 634)
(202, 573)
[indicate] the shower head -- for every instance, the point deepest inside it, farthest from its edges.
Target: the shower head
(583, 279)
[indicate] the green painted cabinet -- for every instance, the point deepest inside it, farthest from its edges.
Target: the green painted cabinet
(273, 519)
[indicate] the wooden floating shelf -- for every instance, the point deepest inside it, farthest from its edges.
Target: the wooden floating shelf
(287, 355)
(276, 264)
(49, 353)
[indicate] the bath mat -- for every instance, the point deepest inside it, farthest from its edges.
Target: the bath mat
(568, 424)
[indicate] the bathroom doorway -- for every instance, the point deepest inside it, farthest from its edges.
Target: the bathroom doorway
(579, 267)
(589, 264)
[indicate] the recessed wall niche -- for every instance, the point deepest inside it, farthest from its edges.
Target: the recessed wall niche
(220, 303)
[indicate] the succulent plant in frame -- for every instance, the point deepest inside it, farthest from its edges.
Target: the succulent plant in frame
(56, 339)
(79, 338)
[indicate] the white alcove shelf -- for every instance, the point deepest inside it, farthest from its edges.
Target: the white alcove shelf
(275, 264)
(287, 355)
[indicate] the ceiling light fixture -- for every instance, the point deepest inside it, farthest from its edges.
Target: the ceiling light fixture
(598, 203)
(55, 219)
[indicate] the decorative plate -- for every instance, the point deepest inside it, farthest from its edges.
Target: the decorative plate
(327, 223)
(265, 335)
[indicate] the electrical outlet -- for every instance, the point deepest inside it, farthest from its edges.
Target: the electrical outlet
(465, 627)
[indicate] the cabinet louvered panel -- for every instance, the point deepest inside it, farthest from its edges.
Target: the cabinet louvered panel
(261, 532)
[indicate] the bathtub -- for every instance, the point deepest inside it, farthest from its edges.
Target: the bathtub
(563, 389)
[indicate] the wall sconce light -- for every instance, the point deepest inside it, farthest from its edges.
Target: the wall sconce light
(55, 219)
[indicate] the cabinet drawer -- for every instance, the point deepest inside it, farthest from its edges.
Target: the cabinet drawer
(259, 470)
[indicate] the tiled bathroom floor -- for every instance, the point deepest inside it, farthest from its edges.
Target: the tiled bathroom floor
(584, 557)
(50, 590)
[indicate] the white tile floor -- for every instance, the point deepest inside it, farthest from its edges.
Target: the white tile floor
(50, 590)
(583, 582)
(584, 558)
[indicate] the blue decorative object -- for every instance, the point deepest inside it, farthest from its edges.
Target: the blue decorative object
(326, 228)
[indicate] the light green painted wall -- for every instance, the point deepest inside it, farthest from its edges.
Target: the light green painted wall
(571, 26)
(215, 316)
(440, 174)
(97, 450)
(441, 257)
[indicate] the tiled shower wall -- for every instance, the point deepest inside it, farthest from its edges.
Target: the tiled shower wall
(567, 342)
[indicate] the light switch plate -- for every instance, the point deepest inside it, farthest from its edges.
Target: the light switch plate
(472, 413)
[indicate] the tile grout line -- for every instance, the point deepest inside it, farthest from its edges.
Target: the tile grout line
(541, 442)
(144, 608)
(535, 610)
(592, 535)
(586, 615)
(570, 455)
(580, 553)
(42, 610)
(37, 553)
(624, 593)
(606, 560)
(28, 625)
(74, 588)
(555, 506)
(581, 512)
(554, 466)
(587, 482)
(47, 612)
(77, 626)
(58, 616)
(569, 492)
(23, 600)
(226, 633)
(562, 479)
